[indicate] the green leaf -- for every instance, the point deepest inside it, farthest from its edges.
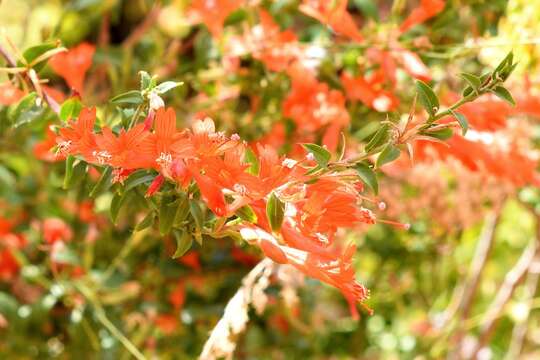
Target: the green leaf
(443, 134)
(26, 110)
(321, 155)
(504, 94)
(246, 213)
(131, 97)
(506, 62)
(68, 175)
(368, 176)
(427, 97)
(167, 211)
(368, 7)
(117, 202)
(137, 178)
(146, 80)
(34, 52)
(197, 214)
(275, 212)
(184, 241)
(103, 182)
(474, 81)
(146, 222)
(389, 153)
(70, 109)
(251, 158)
(166, 86)
(507, 71)
(182, 211)
(378, 139)
(467, 91)
(462, 120)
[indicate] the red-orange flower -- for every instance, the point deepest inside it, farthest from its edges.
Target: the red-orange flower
(78, 137)
(213, 13)
(123, 150)
(9, 93)
(55, 229)
(159, 147)
(426, 10)
(42, 149)
(334, 14)
(313, 105)
(369, 92)
(73, 65)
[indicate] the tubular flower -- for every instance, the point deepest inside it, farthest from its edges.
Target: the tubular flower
(73, 65)
(213, 13)
(9, 241)
(426, 10)
(42, 149)
(122, 150)
(266, 42)
(313, 106)
(165, 142)
(333, 14)
(79, 137)
(369, 92)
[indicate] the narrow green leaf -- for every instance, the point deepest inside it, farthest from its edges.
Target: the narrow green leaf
(70, 109)
(182, 210)
(197, 214)
(321, 155)
(507, 61)
(246, 213)
(443, 134)
(184, 241)
(275, 212)
(68, 175)
(117, 202)
(146, 80)
(368, 176)
(103, 182)
(251, 158)
(133, 97)
(378, 139)
(467, 91)
(504, 94)
(473, 80)
(146, 222)
(427, 97)
(137, 178)
(462, 120)
(167, 211)
(167, 86)
(34, 52)
(389, 153)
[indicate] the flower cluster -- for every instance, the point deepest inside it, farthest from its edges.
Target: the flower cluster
(314, 207)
